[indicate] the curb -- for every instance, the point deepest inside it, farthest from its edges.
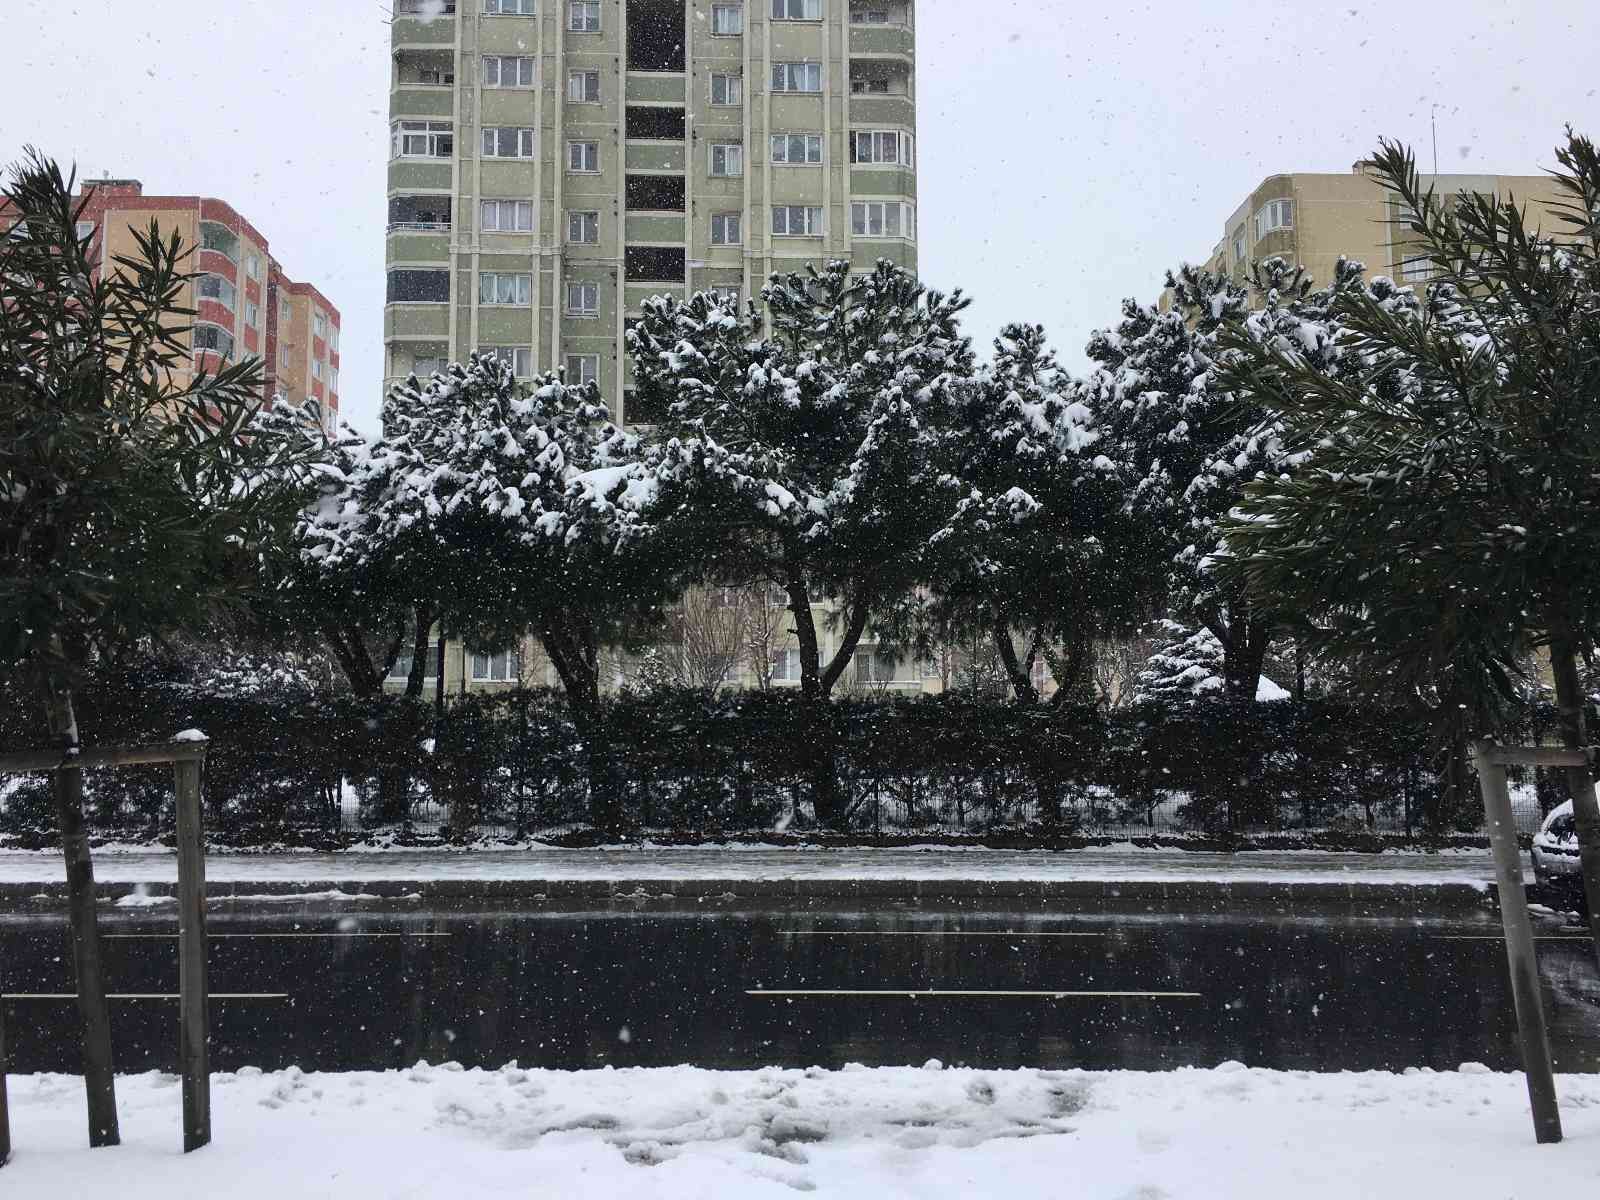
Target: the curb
(1189, 894)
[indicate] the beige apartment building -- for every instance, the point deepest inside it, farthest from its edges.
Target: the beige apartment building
(244, 303)
(555, 162)
(1313, 219)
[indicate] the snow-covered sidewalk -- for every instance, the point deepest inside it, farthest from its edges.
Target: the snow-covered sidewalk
(1231, 1133)
(661, 865)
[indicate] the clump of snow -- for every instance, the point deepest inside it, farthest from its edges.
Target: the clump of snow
(140, 897)
(857, 1134)
(190, 735)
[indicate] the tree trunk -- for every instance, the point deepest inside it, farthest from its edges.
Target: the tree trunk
(1580, 784)
(417, 679)
(574, 652)
(94, 1015)
(1020, 673)
(1245, 642)
(828, 800)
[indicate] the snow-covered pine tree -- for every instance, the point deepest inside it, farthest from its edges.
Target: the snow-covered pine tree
(1184, 664)
(1025, 550)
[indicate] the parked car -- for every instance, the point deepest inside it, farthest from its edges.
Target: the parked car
(1555, 855)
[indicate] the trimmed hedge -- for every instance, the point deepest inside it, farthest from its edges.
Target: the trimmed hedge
(292, 765)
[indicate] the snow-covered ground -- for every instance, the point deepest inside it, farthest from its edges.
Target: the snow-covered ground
(742, 863)
(1231, 1133)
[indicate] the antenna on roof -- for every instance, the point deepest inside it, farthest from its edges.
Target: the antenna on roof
(1433, 119)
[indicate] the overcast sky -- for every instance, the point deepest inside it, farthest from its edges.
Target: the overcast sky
(1069, 151)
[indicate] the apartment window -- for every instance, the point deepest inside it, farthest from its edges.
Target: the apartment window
(727, 89)
(252, 316)
(501, 71)
(583, 228)
(83, 230)
(319, 326)
(333, 339)
(505, 287)
(1240, 246)
(283, 358)
(786, 663)
(796, 149)
(727, 20)
(655, 193)
(508, 8)
(507, 216)
(435, 77)
(1274, 215)
(885, 147)
(583, 16)
(583, 158)
(285, 313)
(583, 299)
(219, 238)
(316, 368)
(422, 139)
(583, 87)
(651, 264)
(252, 266)
(215, 287)
(507, 141)
(419, 286)
(726, 297)
(875, 666)
(874, 218)
(727, 229)
(213, 338)
(862, 85)
(1417, 269)
(868, 16)
(796, 77)
(796, 220)
(427, 367)
(797, 10)
(657, 122)
(519, 358)
(415, 8)
(499, 666)
(402, 662)
(727, 159)
(583, 368)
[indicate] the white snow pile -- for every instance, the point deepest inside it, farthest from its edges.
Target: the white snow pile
(875, 1134)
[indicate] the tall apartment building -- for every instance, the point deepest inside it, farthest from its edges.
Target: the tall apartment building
(245, 305)
(1313, 219)
(555, 162)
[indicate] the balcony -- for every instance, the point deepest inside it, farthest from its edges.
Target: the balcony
(420, 30)
(882, 41)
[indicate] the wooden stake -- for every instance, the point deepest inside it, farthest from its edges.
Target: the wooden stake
(1536, 1065)
(194, 1056)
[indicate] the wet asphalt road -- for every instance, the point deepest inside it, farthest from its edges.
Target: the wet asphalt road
(372, 985)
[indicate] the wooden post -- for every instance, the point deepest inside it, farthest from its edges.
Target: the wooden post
(194, 1056)
(1524, 966)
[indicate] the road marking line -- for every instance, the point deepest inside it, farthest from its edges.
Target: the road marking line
(146, 996)
(157, 936)
(916, 992)
(1012, 933)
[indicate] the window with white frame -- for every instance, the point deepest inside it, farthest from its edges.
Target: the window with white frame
(727, 20)
(285, 312)
(83, 230)
(583, 299)
(519, 358)
(216, 237)
(796, 149)
(427, 366)
(727, 297)
(583, 158)
(505, 71)
(868, 85)
(333, 339)
(785, 666)
(333, 379)
(319, 325)
(583, 87)
(882, 218)
(402, 661)
(252, 315)
(797, 77)
(213, 338)
(316, 368)
(1240, 246)
(507, 141)
(215, 287)
(727, 89)
(583, 228)
(1416, 269)
(422, 139)
(727, 159)
(505, 287)
(252, 266)
(869, 15)
(583, 16)
(497, 666)
(796, 220)
(507, 216)
(1274, 215)
(880, 147)
(583, 368)
(727, 229)
(508, 8)
(797, 10)
(283, 358)
(875, 666)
